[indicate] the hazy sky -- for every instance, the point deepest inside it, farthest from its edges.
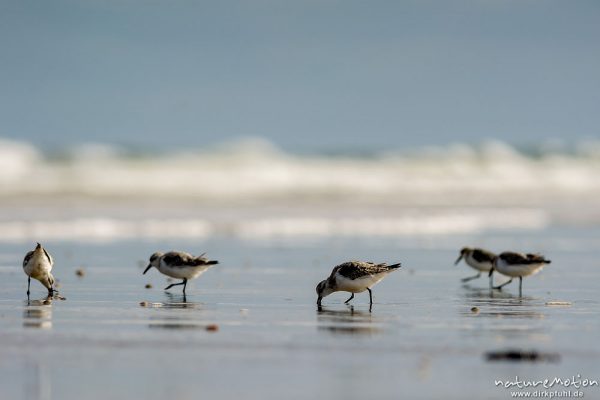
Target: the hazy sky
(304, 74)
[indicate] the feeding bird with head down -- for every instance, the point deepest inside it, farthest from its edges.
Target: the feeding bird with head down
(354, 277)
(37, 264)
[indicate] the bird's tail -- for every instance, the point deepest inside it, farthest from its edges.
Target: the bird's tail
(211, 262)
(538, 258)
(394, 266)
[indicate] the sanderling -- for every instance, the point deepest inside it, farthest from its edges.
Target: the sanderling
(354, 277)
(517, 264)
(478, 259)
(180, 265)
(37, 264)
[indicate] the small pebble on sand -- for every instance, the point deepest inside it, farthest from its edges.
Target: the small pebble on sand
(80, 272)
(148, 286)
(474, 309)
(144, 303)
(212, 327)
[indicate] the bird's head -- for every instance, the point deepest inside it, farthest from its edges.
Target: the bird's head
(323, 290)
(154, 260)
(463, 253)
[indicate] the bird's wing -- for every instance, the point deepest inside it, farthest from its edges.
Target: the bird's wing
(175, 258)
(27, 258)
(481, 255)
(515, 258)
(334, 271)
(357, 269)
(48, 256)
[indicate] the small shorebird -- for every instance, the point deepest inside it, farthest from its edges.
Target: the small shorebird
(37, 264)
(180, 265)
(354, 277)
(478, 259)
(517, 264)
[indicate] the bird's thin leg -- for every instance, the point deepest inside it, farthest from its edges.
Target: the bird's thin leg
(370, 298)
(504, 284)
(176, 284)
(520, 286)
(470, 278)
(184, 285)
(491, 280)
(28, 285)
(351, 297)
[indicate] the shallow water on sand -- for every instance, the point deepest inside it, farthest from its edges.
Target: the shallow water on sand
(421, 340)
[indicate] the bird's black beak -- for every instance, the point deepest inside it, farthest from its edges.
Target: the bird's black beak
(147, 268)
(39, 246)
(458, 259)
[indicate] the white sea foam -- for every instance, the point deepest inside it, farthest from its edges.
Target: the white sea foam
(18, 161)
(98, 192)
(102, 229)
(449, 221)
(257, 171)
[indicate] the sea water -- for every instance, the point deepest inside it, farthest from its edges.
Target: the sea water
(249, 327)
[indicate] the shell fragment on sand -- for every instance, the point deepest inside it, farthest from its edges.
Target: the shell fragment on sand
(559, 303)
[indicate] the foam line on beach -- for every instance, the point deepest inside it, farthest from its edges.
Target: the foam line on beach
(269, 227)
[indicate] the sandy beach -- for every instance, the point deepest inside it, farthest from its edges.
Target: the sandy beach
(284, 138)
(250, 328)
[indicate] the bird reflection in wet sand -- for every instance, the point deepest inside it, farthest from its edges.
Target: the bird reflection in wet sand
(173, 317)
(346, 321)
(38, 313)
(175, 323)
(501, 304)
(179, 301)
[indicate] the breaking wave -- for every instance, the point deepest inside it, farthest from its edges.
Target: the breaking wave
(252, 190)
(256, 171)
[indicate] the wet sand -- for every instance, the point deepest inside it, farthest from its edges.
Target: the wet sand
(422, 340)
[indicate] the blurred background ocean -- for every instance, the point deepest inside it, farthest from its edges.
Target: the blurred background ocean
(282, 138)
(252, 188)
(309, 76)
(313, 117)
